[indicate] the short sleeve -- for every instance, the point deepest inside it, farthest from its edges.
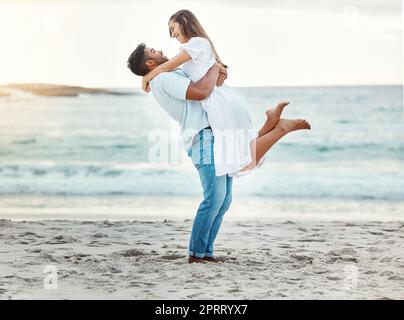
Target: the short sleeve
(171, 83)
(197, 47)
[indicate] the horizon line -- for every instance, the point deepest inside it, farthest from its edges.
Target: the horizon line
(235, 86)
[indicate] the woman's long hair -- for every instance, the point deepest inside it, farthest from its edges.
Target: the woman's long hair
(191, 27)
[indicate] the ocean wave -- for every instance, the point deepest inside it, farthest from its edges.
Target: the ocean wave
(112, 146)
(363, 180)
(99, 146)
(24, 141)
(23, 171)
(184, 193)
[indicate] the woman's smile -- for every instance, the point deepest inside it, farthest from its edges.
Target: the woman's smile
(175, 32)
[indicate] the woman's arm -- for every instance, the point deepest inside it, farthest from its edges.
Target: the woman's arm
(169, 65)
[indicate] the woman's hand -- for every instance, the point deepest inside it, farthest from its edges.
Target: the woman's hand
(222, 76)
(145, 84)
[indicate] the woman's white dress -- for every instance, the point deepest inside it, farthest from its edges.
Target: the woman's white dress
(227, 114)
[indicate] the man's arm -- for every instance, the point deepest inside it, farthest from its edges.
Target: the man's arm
(202, 89)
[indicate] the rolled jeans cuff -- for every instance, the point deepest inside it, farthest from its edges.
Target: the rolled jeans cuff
(196, 254)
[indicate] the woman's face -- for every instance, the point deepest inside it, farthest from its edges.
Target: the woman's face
(175, 32)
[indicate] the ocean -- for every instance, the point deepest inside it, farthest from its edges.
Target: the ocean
(90, 157)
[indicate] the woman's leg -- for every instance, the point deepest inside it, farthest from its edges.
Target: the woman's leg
(261, 145)
(273, 116)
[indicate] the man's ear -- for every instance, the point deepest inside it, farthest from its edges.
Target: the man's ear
(150, 63)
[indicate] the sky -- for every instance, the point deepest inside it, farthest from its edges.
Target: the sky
(265, 43)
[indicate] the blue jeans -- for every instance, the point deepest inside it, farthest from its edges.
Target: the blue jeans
(217, 196)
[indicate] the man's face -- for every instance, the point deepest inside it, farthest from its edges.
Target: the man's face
(154, 58)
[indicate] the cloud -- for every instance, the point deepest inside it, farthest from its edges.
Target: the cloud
(308, 43)
(365, 6)
(369, 6)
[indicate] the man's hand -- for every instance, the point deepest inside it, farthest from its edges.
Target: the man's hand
(222, 75)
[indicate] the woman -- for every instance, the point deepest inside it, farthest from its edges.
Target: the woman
(238, 148)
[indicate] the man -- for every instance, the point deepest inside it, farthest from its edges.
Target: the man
(180, 98)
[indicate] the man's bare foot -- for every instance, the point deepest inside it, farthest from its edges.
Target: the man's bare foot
(273, 115)
(289, 125)
(213, 259)
(192, 259)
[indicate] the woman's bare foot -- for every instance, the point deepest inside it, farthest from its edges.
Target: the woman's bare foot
(273, 116)
(262, 144)
(289, 125)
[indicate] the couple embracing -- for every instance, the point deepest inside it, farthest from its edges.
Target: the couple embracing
(190, 88)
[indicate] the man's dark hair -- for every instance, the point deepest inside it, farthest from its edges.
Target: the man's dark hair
(137, 61)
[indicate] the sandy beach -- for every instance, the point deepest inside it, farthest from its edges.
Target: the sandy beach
(146, 259)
